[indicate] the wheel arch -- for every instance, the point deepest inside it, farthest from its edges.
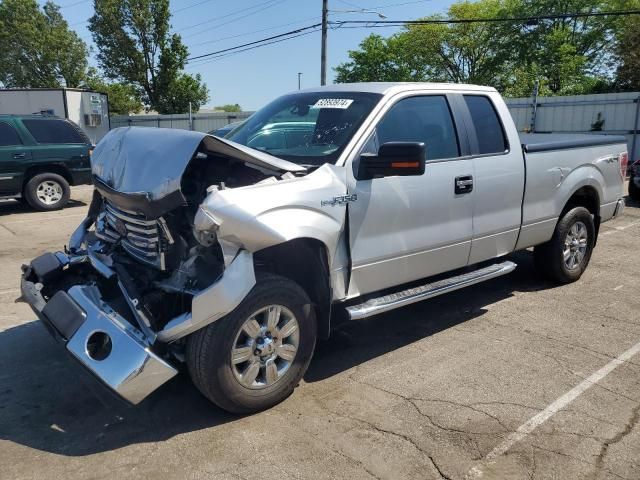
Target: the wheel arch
(306, 262)
(58, 169)
(586, 196)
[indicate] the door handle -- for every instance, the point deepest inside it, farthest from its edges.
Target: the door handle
(464, 184)
(19, 155)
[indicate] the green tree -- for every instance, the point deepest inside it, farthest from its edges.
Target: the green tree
(135, 46)
(123, 98)
(567, 55)
(473, 52)
(463, 52)
(628, 53)
(182, 90)
(379, 59)
(37, 48)
(230, 107)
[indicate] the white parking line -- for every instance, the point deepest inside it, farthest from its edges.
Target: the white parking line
(537, 420)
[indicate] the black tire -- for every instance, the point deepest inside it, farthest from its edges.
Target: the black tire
(209, 349)
(634, 191)
(53, 181)
(549, 258)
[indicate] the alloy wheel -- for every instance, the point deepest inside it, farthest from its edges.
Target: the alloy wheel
(49, 192)
(265, 347)
(575, 245)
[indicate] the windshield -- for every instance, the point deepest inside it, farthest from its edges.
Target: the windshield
(306, 128)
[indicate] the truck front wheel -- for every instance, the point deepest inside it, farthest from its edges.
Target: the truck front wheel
(565, 257)
(254, 357)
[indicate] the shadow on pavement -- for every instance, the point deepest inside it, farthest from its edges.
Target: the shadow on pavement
(630, 202)
(359, 341)
(8, 207)
(44, 405)
(46, 402)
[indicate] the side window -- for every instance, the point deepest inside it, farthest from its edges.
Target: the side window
(8, 135)
(491, 138)
(421, 119)
(52, 131)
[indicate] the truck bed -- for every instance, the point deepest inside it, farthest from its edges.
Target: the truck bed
(542, 142)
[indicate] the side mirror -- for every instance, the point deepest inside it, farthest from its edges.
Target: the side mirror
(393, 159)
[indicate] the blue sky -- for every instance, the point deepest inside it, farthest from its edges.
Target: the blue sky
(254, 77)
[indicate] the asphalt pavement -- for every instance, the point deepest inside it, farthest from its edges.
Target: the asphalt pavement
(515, 378)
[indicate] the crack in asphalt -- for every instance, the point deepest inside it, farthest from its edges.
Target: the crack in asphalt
(628, 427)
(533, 352)
(555, 432)
(577, 459)
(340, 453)
(562, 342)
(412, 401)
(7, 229)
(401, 436)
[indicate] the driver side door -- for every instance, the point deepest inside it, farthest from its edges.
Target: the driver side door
(404, 228)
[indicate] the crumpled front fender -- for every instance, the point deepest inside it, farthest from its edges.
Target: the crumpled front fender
(264, 215)
(216, 301)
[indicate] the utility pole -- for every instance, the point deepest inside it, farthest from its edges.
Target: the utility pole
(299, 75)
(323, 50)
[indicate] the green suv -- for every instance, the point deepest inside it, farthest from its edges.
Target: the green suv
(40, 156)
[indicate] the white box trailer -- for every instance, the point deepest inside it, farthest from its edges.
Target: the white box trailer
(88, 109)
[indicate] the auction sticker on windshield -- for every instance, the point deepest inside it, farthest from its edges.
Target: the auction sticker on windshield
(333, 103)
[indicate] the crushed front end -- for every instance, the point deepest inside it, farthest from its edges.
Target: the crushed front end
(138, 276)
(79, 299)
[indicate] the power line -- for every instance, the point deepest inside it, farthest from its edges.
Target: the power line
(215, 40)
(191, 6)
(74, 4)
(348, 4)
(205, 61)
(202, 59)
(616, 13)
(272, 2)
(280, 35)
(265, 5)
(379, 7)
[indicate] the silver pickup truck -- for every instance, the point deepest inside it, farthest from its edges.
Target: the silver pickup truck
(233, 255)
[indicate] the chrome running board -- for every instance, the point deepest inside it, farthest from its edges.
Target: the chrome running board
(392, 301)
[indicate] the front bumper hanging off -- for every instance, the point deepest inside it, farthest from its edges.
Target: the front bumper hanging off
(100, 339)
(123, 356)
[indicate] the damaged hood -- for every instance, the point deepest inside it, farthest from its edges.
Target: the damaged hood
(150, 162)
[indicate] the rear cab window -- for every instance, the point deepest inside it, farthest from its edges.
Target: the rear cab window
(9, 136)
(52, 130)
(489, 131)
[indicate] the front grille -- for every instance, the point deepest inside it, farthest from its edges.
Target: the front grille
(141, 238)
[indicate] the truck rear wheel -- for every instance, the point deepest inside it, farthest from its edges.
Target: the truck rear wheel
(565, 257)
(47, 191)
(254, 357)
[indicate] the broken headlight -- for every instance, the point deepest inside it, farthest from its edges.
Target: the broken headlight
(205, 227)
